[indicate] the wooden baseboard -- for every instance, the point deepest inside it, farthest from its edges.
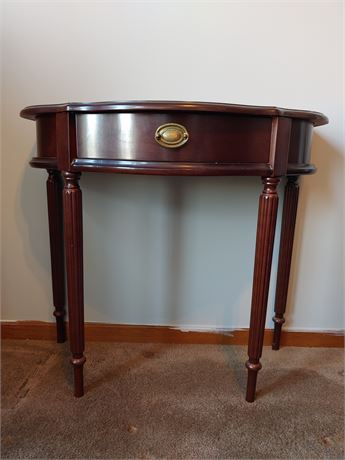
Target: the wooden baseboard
(164, 334)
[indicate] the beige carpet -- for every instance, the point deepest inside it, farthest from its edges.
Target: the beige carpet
(147, 401)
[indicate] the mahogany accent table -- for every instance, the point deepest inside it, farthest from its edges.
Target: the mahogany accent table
(171, 138)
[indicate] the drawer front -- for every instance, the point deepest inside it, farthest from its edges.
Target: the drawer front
(208, 137)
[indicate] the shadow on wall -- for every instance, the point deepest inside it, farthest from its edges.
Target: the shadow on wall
(316, 194)
(32, 206)
(170, 250)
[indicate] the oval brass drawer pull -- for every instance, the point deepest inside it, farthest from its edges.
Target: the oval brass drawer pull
(171, 135)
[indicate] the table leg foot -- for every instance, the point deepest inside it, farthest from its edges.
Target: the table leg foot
(253, 369)
(60, 326)
(78, 371)
(278, 323)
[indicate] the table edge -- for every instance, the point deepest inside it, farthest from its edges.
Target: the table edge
(34, 111)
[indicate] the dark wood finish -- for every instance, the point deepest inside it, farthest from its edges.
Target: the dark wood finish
(280, 143)
(73, 224)
(105, 332)
(223, 139)
(130, 136)
(268, 206)
(171, 169)
(219, 143)
(36, 111)
(300, 142)
(63, 141)
(54, 201)
(45, 163)
(285, 254)
(294, 169)
(46, 136)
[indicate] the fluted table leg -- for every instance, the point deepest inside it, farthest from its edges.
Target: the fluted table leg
(73, 225)
(268, 206)
(285, 254)
(54, 201)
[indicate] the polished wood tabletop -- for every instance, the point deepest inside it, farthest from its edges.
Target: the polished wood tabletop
(171, 138)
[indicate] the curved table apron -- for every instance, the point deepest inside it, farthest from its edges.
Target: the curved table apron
(171, 138)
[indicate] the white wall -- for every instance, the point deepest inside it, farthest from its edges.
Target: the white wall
(175, 251)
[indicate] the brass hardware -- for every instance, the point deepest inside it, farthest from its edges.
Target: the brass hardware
(171, 135)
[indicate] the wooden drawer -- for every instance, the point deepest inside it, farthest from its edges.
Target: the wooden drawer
(212, 137)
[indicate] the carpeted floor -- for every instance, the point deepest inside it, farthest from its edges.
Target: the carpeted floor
(152, 401)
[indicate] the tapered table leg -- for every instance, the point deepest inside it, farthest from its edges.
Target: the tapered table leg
(285, 254)
(73, 225)
(54, 200)
(268, 206)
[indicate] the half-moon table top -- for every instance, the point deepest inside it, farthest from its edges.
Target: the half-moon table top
(34, 111)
